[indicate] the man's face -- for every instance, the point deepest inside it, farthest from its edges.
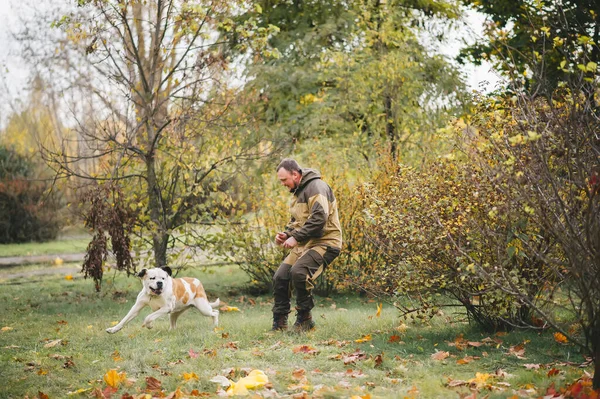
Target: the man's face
(289, 179)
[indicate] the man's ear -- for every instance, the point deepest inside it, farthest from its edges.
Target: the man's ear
(168, 270)
(142, 273)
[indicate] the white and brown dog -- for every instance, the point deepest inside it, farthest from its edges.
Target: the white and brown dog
(167, 295)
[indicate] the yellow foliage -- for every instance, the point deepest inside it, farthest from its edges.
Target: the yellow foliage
(255, 379)
(114, 378)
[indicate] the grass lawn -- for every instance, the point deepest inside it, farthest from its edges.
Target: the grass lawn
(52, 340)
(69, 242)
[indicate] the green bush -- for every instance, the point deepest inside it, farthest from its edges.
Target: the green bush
(27, 208)
(446, 229)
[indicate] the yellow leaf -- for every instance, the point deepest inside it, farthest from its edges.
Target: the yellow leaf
(256, 379)
(6, 329)
(229, 309)
(366, 338)
(69, 277)
(190, 376)
(480, 379)
(58, 261)
(77, 392)
(379, 307)
(113, 378)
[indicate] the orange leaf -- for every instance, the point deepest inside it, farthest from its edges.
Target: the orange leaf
(560, 338)
(379, 307)
(305, 349)
(394, 338)
(553, 372)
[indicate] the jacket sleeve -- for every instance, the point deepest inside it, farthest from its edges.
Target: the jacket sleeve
(317, 218)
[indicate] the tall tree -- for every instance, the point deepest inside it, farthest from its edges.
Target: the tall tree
(157, 105)
(356, 72)
(540, 41)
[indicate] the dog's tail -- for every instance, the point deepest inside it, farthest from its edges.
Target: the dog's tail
(215, 303)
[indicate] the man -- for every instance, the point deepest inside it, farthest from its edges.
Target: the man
(314, 238)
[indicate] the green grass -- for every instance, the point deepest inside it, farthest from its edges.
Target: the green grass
(68, 243)
(37, 310)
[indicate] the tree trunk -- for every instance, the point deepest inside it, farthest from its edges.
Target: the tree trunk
(596, 357)
(159, 235)
(390, 128)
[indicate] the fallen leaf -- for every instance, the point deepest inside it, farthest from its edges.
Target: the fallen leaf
(229, 309)
(190, 376)
(365, 338)
(379, 307)
(552, 372)
(518, 351)
(440, 355)
(42, 395)
(68, 364)
(256, 379)
(210, 352)
(532, 366)
(394, 338)
(69, 277)
(114, 379)
(152, 384)
(456, 383)
(379, 360)
(77, 392)
(480, 380)
(501, 374)
(305, 349)
(353, 357)
(193, 354)
(231, 345)
(116, 356)
(560, 338)
(53, 343)
(222, 380)
(465, 360)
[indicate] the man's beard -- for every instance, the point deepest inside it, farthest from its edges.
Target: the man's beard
(293, 189)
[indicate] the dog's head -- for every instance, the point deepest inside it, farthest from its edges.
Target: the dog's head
(155, 280)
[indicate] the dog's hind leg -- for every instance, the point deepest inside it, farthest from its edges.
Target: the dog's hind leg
(206, 309)
(173, 317)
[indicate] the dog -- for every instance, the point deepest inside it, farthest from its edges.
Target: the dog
(167, 295)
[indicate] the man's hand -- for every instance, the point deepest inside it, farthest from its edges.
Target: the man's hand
(280, 238)
(290, 243)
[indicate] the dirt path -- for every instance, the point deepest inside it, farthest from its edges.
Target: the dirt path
(24, 260)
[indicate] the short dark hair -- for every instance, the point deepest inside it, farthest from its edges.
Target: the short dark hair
(290, 165)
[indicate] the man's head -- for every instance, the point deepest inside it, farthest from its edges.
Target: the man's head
(289, 174)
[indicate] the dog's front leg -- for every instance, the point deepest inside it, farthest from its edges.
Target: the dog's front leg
(135, 310)
(155, 315)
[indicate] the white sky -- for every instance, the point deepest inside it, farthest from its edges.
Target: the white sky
(14, 72)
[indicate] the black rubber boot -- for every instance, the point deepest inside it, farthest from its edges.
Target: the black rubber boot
(280, 322)
(304, 321)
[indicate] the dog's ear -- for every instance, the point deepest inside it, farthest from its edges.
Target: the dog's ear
(142, 273)
(168, 270)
